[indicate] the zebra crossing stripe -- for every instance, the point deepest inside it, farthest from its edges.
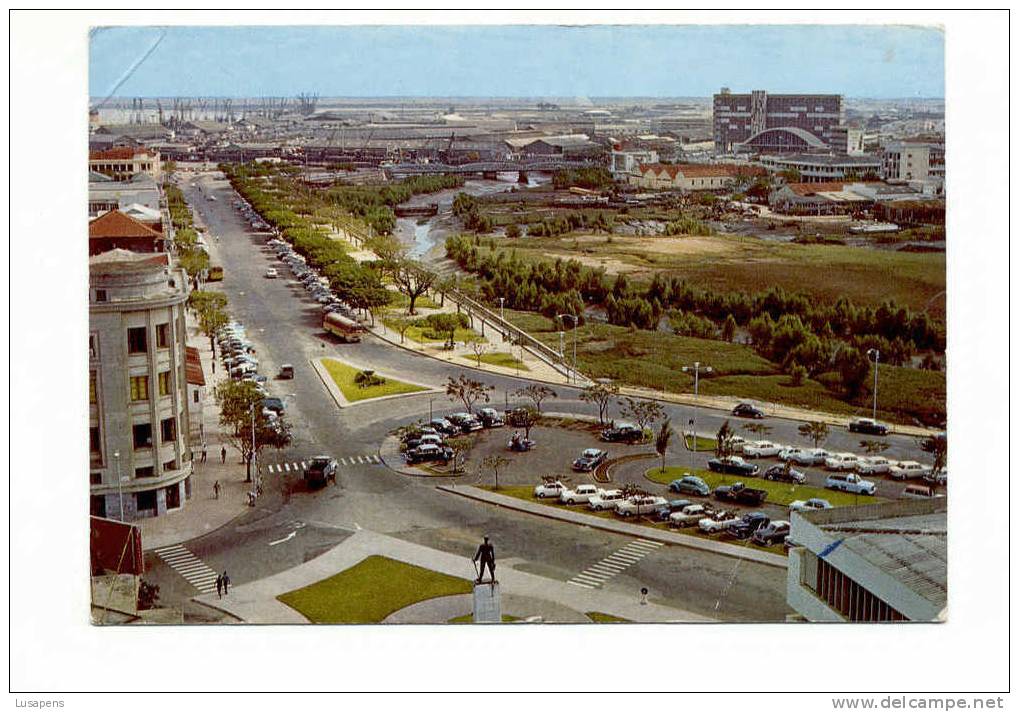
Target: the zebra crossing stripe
(195, 571)
(304, 465)
(582, 585)
(343, 461)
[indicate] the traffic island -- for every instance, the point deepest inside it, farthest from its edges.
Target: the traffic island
(350, 384)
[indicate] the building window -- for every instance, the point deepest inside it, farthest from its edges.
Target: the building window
(164, 383)
(100, 295)
(97, 506)
(173, 496)
(142, 433)
(196, 395)
(93, 346)
(170, 465)
(163, 336)
(169, 429)
(137, 340)
(145, 501)
(93, 397)
(139, 388)
(95, 478)
(95, 443)
(149, 471)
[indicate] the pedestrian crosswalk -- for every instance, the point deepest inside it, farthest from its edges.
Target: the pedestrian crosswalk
(194, 570)
(597, 574)
(302, 465)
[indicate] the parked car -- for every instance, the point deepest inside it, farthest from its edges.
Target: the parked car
(799, 455)
(580, 494)
(465, 421)
(850, 482)
(773, 533)
(747, 525)
(690, 484)
(605, 500)
(874, 465)
(490, 418)
(719, 521)
(274, 404)
(516, 416)
(908, 470)
(589, 459)
(286, 371)
(761, 448)
(673, 505)
(748, 410)
(732, 466)
(638, 506)
(237, 372)
(443, 426)
(271, 273)
(429, 453)
(920, 492)
(623, 433)
(321, 469)
(549, 489)
(809, 505)
(783, 473)
(739, 492)
(868, 426)
(841, 461)
(689, 515)
(940, 479)
(424, 440)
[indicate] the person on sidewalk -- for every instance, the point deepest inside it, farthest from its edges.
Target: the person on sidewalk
(205, 453)
(222, 455)
(486, 553)
(226, 584)
(219, 586)
(215, 489)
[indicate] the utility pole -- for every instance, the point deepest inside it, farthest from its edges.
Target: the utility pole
(120, 486)
(576, 320)
(877, 358)
(696, 384)
(251, 459)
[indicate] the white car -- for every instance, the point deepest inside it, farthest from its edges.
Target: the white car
(718, 522)
(639, 505)
(840, 461)
(271, 273)
(606, 500)
(810, 505)
(850, 482)
(909, 470)
(874, 465)
(688, 515)
(581, 494)
(761, 448)
(549, 489)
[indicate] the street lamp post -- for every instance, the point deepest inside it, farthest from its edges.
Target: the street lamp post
(877, 358)
(575, 322)
(696, 385)
(502, 308)
(251, 459)
(120, 486)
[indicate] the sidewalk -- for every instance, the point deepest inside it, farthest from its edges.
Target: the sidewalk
(256, 602)
(575, 517)
(203, 513)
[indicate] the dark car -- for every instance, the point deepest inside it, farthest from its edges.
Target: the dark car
(444, 426)
(663, 512)
(320, 470)
(623, 433)
(516, 417)
(732, 466)
(589, 459)
(739, 492)
(750, 523)
(746, 410)
(779, 473)
(273, 404)
(774, 533)
(490, 418)
(429, 453)
(466, 422)
(867, 426)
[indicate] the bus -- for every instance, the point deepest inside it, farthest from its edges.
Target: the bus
(348, 330)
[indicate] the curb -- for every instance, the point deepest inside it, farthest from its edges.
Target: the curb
(709, 546)
(217, 608)
(404, 471)
(341, 400)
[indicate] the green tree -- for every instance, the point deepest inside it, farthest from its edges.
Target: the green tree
(937, 447)
(240, 410)
(527, 417)
(724, 444)
(468, 391)
(662, 440)
(854, 370)
(211, 310)
(643, 413)
(816, 431)
(729, 329)
(445, 323)
(460, 448)
(412, 280)
(536, 393)
(512, 230)
(495, 463)
(873, 447)
(601, 395)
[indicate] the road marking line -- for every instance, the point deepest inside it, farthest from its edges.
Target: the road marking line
(175, 547)
(643, 547)
(647, 542)
(378, 460)
(582, 585)
(612, 566)
(287, 465)
(588, 580)
(636, 550)
(624, 558)
(359, 460)
(602, 568)
(592, 575)
(304, 465)
(288, 537)
(343, 461)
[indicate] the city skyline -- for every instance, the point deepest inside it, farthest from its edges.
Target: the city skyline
(594, 61)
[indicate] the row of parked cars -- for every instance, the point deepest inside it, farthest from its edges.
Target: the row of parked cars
(316, 284)
(428, 443)
(250, 215)
(237, 355)
(679, 513)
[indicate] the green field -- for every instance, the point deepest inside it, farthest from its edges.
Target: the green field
(778, 492)
(371, 591)
(703, 444)
(417, 333)
(599, 617)
(400, 301)
(506, 360)
(343, 375)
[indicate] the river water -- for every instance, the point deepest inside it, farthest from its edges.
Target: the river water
(425, 240)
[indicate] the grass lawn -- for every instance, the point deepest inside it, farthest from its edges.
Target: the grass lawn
(399, 302)
(469, 618)
(781, 493)
(417, 333)
(703, 444)
(343, 375)
(506, 360)
(599, 617)
(370, 591)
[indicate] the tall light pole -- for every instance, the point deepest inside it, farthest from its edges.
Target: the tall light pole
(575, 322)
(877, 358)
(251, 460)
(120, 486)
(696, 368)
(502, 308)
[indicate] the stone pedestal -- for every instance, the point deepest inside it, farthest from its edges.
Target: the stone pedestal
(487, 603)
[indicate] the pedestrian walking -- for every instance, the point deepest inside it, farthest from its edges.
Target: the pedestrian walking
(205, 452)
(215, 489)
(226, 584)
(219, 585)
(222, 454)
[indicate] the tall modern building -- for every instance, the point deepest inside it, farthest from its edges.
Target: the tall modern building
(139, 454)
(775, 122)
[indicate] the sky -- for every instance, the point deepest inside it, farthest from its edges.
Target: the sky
(516, 61)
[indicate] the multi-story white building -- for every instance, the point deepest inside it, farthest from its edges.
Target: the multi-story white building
(870, 563)
(627, 160)
(908, 162)
(139, 453)
(124, 163)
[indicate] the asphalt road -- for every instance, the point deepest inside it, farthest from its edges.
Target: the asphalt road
(285, 326)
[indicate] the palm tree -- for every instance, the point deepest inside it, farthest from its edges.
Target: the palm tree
(663, 439)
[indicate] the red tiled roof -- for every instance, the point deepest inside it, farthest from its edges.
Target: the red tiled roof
(117, 224)
(193, 366)
(701, 170)
(120, 152)
(804, 189)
